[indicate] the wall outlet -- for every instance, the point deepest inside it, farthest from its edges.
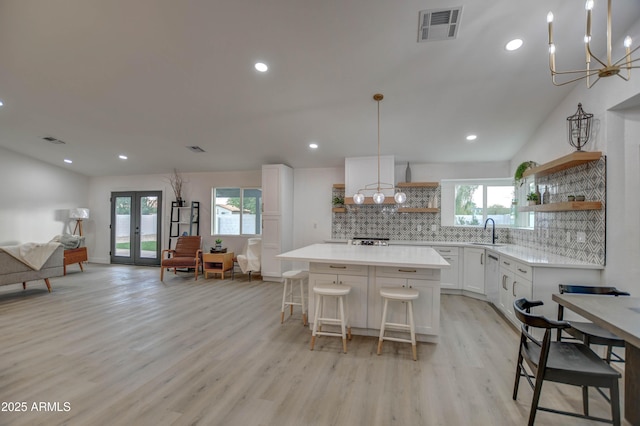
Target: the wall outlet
(434, 228)
(419, 228)
(581, 237)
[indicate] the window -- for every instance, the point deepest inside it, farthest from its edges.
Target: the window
(236, 211)
(472, 202)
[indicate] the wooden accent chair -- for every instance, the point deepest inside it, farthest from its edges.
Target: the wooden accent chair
(187, 254)
(561, 362)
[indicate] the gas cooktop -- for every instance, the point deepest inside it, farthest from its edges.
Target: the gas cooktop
(370, 241)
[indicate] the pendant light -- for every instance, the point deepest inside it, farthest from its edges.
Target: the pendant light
(378, 196)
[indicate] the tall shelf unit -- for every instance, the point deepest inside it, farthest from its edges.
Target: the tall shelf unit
(184, 219)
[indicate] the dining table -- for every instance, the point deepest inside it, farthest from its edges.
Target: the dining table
(621, 316)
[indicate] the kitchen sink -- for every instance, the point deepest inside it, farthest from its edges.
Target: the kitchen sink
(488, 244)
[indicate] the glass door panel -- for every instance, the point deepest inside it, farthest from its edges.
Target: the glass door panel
(135, 228)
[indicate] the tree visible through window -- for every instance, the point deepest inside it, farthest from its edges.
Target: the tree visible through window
(474, 204)
(236, 211)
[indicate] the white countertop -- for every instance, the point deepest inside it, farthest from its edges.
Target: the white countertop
(529, 256)
(413, 256)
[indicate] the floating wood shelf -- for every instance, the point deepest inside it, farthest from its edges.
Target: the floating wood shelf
(572, 160)
(417, 210)
(369, 201)
(339, 209)
(418, 184)
(338, 185)
(563, 207)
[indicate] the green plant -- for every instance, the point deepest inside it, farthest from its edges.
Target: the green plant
(532, 196)
(521, 169)
(218, 241)
(338, 201)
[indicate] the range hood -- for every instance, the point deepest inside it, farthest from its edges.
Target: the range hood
(363, 171)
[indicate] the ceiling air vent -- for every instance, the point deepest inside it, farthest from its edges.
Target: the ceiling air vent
(439, 24)
(195, 149)
(53, 140)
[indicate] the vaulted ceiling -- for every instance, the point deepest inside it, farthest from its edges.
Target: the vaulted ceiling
(148, 78)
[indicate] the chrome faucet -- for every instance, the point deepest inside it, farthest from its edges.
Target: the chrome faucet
(493, 229)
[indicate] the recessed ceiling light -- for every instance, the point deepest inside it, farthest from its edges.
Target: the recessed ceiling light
(1, 103)
(313, 145)
(66, 160)
(262, 67)
(514, 44)
(122, 157)
(472, 137)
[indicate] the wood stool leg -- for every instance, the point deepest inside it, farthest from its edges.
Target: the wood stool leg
(304, 310)
(46, 281)
(412, 329)
(342, 324)
(315, 321)
(284, 299)
(384, 320)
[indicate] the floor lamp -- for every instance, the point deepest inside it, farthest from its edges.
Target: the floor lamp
(79, 214)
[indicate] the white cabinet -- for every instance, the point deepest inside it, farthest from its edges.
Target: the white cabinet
(277, 219)
(426, 308)
(516, 281)
(473, 270)
(354, 276)
(450, 277)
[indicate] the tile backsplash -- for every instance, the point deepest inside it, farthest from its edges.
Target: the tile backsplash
(554, 232)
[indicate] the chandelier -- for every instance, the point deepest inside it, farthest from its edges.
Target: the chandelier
(378, 196)
(605, 68)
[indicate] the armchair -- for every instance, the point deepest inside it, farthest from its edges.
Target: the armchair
(187, 254)
(249, 260)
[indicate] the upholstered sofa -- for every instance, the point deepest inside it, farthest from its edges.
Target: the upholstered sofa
(13, 271)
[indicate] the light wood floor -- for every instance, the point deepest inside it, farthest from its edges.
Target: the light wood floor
(122, 348)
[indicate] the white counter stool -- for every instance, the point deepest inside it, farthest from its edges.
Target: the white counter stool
(321, 293)
(398, 294)
(290, 278)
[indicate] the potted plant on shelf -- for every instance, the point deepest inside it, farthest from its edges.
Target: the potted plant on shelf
(532, 198)
(338, 201)
(218, 243)
(521, 169)
(176, 180)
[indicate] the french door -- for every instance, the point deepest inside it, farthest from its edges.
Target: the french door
(135, 227)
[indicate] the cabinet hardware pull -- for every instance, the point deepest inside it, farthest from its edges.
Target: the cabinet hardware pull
(445, 251)
(482, 259)
(492, 257)
(407, 270)
(522, 270)
(513, 289)
(337, 267)
(506, 263)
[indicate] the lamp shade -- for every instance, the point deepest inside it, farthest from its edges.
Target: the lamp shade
(79, 213)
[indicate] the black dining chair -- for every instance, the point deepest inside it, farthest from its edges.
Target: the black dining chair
(588, 332)
(571, 363)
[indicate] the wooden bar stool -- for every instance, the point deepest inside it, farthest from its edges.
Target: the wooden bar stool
(398, 294)
(290, 278)
(340, 292)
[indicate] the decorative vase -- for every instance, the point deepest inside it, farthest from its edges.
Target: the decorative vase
(407, 173)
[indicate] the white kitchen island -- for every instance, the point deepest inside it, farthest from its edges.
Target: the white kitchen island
(368, 268)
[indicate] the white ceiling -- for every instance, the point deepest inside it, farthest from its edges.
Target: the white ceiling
(147, 78)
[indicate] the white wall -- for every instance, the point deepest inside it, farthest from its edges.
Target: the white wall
(197, 187)
(435, 172)
(35, 199)
(617, 135)
(312, 204)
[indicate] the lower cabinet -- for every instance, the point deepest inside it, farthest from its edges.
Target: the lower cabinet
(354, 276)
(426, 308)
(473, 270)
(516, 281)
(450, 277)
